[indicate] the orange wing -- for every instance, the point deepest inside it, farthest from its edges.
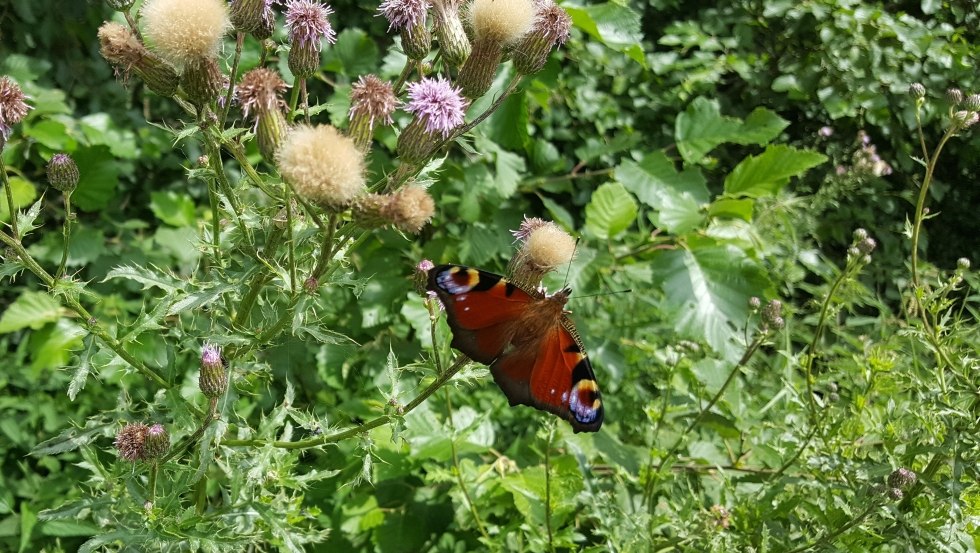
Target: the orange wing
(551, 373)
(482, 309)
(557, 378)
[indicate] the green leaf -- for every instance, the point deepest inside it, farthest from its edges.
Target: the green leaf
(677, 197)
(508, 125)
(73, 438)
(615, 25)
(732, 209)
(702, 127)
(173, 209)
(51, 133)
(706, 288)
(23, 192)
(148, 277)
(31, 309)
(80, 376)
(354, 53)
(98, 177)
(611, 210)
(52, 345)
(767, 173)
(28, 519)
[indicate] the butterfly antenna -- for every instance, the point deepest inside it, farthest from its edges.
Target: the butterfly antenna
(597, 294)
(568, 271)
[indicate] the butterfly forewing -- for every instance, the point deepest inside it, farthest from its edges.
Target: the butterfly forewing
(532, 348)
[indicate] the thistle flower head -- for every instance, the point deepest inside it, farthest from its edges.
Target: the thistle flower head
(544, 247)
(131, 441)
(373, 98)
(917, 91)
(409, 209)
(437, 103)
(214, 376)
(157, 442)
(63, 172)
(902, 478)
(308, 24)
(322, 165)
(502, 21)
(404, 14)
(249, 15)
(552, 22)
(186, 30)
(13, 109)
(260, 91)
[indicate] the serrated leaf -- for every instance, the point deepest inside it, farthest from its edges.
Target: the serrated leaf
(148, 320)
(73, 438)
(30, 309)
(761, 127)
(143, 276)
(197, 299)
(508, 125)
(615, 25)
(611, 210)
(766, 173)
(706, 288)
(26, 219)
(80, 376)
(354, 53)
(677, 197)
(701, 127)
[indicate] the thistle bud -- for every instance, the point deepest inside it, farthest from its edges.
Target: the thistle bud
(895, 494)
(308, 25)
(63, 173)
(214, 374)
(311, 286)
(754, 303)
(772, 314)
(422, 269)
(247, 15)
(131, 441)
(496, 24)
(202, 80)
(453, 42)
(13, 109)
(552, 26)
(544, 247)
(260, 95)
(408, 17)
(902, 478)
(120, 5)
(972, 102)
(859, 234)
(372, 101)
(157, 442)
(963, 264)
(964, 119)
(954, 96)
(409, 209)
(917, 91)
(866, 246)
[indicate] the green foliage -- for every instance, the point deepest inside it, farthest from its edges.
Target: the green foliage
(681, 146)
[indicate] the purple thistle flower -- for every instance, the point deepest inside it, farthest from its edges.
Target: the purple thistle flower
(424, 266)
(374, 97)
(404, 14)
(211, 355)
(12, 106)
(437, 103)
(307, 22)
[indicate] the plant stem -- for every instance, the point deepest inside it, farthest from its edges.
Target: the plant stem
(317, 441)
(459, 472)
(547, 488)
(239, 41)
(11, 212)
(826, 538)
(66, 232)
(920, 208)
(93, 325)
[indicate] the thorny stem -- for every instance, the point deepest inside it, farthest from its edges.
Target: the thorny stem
(920, 211)
(829, 536)
(239, 41)
(189, 441)
(749, 352)
(326, 248)
(317, 441)
(93, 325)
(66, 232)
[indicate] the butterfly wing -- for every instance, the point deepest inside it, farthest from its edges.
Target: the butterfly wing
(482, 308)
(555, 376)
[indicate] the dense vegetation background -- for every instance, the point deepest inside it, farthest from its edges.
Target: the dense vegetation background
(705, 152)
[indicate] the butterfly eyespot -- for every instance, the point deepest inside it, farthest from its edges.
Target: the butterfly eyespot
(584, 402)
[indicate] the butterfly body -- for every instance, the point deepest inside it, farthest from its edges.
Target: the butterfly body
(526, 337)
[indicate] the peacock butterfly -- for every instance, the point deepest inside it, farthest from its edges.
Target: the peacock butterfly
(526, 337)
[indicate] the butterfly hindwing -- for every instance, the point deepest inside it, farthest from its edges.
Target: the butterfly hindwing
(532, 347)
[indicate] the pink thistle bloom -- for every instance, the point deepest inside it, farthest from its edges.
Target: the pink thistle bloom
(437, 103)
(308, 23)
(211, 356)
(374, 97)
(424, 266)
(404, 14)
(12, 106)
